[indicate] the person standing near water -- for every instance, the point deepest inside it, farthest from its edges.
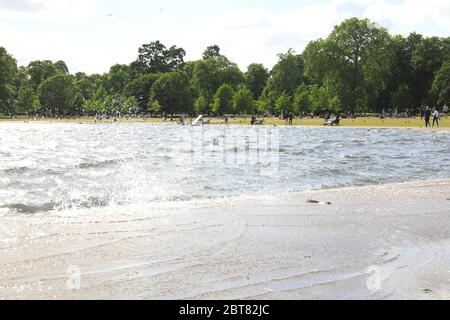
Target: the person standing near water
(436, 117)
(427, 116)
(445, 110)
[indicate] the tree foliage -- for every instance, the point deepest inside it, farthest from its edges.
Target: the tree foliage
(211, 73)
(172, 94)
(8, 72)
(286, 76)
(354, 61)
(39, 71)
(256, 79)
(139, 89)
(243, 102)
(223, 100)
(58, 95)
(441, 84)
(156, 58)
(359, 67)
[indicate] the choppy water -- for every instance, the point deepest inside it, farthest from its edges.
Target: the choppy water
(47, 167)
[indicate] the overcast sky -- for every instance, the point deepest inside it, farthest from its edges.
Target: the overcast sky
(92, 35)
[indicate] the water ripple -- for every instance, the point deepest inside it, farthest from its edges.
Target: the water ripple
(68, 166)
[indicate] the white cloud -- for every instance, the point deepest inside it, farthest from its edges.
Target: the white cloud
(253, 34)
(20, 5)
(79, 32)
(429, 17)
(47, 29)
(60, 11)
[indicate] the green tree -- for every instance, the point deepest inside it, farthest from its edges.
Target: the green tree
(117, 79)
(188, 68)
(140, 90)
(211, 52)
(210, 74)
(202, 106)
(21, 79)
(256, 79)
(117, 105)
(93, 107)
(427, 59)
(8, 71)
(80, 76)
(302, 100)
(400, 72)
(58, 95)
(284, 104)
(287, 74)
(286, 77)
(61, 67)
(355, 61)
(156, 58)
(86, 87)
(223, 100)
(172, 93)
(441, 84)
(324, 100)
(243, 102)
(402, 98)
(28, 102)
(39, 71)
(261, 107)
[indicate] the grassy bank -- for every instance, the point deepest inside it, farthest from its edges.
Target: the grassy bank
(360, 122)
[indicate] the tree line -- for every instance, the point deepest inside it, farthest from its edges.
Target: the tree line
(358, 68)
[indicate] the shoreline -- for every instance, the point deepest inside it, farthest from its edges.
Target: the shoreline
(444, 128)
(279, 248)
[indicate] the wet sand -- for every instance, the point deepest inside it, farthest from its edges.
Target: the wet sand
(271, 248)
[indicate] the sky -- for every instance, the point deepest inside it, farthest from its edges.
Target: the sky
(92, 35)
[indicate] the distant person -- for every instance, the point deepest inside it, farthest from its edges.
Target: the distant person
(427, 116)
(436, 118)
(291, 118)
(226, 120)
(253, 122)
(445, 110)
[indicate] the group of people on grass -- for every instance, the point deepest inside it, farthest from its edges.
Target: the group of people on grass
(428, 113)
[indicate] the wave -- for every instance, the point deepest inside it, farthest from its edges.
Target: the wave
(29, 209)
(16, 170)
(23, 208)
(99, 164)
(27, 170)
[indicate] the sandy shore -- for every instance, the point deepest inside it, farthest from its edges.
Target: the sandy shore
(278, 248)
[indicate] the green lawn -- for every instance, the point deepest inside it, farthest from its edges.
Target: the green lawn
(360, 122)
